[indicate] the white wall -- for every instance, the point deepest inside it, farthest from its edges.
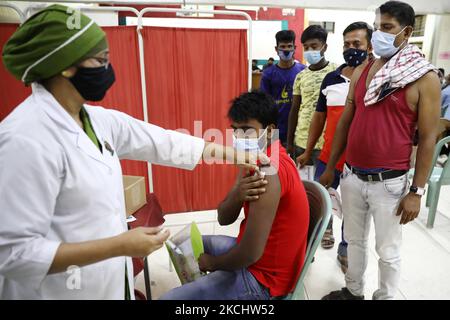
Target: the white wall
(441, 48)
(341, 19)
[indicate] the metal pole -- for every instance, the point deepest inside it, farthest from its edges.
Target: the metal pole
(144, 94)
(116, 9)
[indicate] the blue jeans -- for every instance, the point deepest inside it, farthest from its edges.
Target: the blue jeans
(220, 285)
(320, 168)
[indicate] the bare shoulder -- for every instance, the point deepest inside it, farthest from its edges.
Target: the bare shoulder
(270, 172)
(430, 79)
(427, 84)
(358, 71)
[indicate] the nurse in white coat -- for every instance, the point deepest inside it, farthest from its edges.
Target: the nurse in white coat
(63, 233)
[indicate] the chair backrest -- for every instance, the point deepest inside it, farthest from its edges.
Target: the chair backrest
(445, 176)
(320, 208)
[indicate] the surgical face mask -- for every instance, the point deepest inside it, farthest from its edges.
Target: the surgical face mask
(93, 83)
(354, 57)
(250, 144)
(313, 57)
(285, 55)
(383, 43)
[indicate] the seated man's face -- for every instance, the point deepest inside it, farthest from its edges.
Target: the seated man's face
(251, 129)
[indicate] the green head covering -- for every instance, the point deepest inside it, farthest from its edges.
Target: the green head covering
(51, 41)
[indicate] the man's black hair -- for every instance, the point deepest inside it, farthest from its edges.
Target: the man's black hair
(255, 105)
(400, 11)
(314, 32)
(271, 59)
(359, 26)
(285, 36)
(443, 71)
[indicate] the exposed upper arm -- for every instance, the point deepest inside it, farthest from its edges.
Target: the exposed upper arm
(320, 117)
(428, 106)
(296, 100)
(261, 216)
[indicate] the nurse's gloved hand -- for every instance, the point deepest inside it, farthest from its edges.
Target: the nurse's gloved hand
(250, 160)
(140, 242)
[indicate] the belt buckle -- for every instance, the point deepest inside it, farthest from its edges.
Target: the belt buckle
(369, 177)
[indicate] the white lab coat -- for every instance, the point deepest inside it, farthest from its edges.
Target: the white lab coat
(57, 187)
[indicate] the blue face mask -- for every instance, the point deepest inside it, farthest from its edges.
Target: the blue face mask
(285, 55)
(354, 57)
(313, 57)
(250, 144)
(383, 43)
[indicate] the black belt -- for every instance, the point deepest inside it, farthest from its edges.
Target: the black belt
(380, 176)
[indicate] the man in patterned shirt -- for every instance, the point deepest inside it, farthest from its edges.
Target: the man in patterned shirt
(306, 91)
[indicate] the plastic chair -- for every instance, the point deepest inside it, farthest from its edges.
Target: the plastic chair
(437, 178)
(319, 215)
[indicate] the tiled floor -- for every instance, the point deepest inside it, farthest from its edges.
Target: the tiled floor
(425, 254)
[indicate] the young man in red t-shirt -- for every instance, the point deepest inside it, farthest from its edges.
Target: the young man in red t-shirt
(265, 260)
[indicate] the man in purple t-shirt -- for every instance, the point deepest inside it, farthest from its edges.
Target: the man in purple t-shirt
(278, 79)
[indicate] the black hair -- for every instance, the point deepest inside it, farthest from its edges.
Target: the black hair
(255, 105)
(443, 71)
(314, 32)
(359, 26)
(285, 36)
(400, 11)
(271, 59)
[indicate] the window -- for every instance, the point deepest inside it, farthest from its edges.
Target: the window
(419, 29)
(327, 25)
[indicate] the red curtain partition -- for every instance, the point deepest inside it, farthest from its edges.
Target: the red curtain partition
(12, 91)
(192, 74)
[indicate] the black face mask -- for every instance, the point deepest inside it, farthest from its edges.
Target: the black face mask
(354, 57)
(92, 83)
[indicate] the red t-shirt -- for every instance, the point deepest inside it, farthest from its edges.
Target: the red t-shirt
(279, 267)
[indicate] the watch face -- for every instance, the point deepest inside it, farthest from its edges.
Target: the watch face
(417, 190)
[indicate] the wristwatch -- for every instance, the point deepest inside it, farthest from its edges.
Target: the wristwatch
(417, 190)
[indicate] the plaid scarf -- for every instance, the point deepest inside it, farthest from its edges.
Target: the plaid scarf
(405, 67)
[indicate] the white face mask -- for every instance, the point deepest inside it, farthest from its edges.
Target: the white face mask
(383, 43)
(250, 144)
(313, 57)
